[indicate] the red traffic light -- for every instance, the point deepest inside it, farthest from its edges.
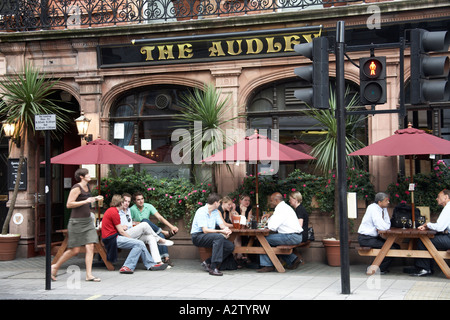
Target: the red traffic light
(372, 68)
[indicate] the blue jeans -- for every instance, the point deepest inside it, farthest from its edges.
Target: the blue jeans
(163, 251)
(138, 250)
(278, 239)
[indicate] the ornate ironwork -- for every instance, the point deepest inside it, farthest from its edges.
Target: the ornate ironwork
(26, 15)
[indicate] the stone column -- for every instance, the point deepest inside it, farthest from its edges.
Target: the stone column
(227, 81)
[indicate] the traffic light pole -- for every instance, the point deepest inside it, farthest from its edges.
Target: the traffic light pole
(341, 153)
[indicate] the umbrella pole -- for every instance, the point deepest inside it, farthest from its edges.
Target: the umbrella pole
(412, 192)
(257, 192)
(97, 167)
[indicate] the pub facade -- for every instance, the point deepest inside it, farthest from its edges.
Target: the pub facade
(127, 69)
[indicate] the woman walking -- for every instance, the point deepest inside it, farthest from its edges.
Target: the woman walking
(81, 229)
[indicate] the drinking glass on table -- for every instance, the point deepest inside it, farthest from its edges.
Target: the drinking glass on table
(236, 220)
(403, 221)
(421, 220)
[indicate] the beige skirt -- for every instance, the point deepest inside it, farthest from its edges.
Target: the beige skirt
(81, 231)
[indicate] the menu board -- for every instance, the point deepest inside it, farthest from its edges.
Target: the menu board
(13, 166)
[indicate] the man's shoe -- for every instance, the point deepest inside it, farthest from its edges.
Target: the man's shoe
(266, 269)
(206, 266)
(159, 266)
(215, 272)
(421, 273)
(294, 264)
(165, 242)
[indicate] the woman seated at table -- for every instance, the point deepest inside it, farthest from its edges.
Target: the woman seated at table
(295, 200)
(227, 209)
(245, 207)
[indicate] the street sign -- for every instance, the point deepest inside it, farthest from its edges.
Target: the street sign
(45, 122)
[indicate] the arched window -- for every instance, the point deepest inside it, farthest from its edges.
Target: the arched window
(275, 107)
(142, 121)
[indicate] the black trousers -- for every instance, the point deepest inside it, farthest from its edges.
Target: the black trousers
(221, 247)
(377, 243)
(441, 242)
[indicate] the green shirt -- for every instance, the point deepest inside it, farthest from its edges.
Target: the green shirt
(146, 212)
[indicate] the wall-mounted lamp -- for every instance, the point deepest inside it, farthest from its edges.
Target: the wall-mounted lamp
(82, 126)
(9, 128)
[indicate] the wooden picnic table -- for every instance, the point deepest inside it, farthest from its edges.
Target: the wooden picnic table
(412, 234)
(98, 248)
(260, 235)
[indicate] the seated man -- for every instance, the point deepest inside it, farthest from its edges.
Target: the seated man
(376, 218)
(141, 212)
(204, 234)
(442, 238)
(287, 230)
(142, 231)
(113, 236)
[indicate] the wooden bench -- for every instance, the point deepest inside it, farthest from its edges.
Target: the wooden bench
(371, 252)
(283, 249)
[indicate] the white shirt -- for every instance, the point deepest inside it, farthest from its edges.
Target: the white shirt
(284, 220)
(443, 222)
(125, 218)
(373, 220)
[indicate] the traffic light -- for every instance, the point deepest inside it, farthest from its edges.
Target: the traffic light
(317, 74)
(372, 76)
(429, 74)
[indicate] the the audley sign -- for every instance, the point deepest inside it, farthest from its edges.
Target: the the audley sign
(206, 48)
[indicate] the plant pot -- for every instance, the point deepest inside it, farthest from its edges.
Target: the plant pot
(333, 251)
(8, 246)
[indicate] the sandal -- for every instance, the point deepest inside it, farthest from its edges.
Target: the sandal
(126, 270)
(94, 279)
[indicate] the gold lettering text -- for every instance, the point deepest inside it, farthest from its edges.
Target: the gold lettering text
(216, 49)
(148, 52)
(273, 47)
(165, 52)
(185, 51)
(231, 51)
(250, 44)
(291, 41)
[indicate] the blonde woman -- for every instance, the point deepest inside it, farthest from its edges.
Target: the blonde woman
(227, 209)
(81, 230)
(295, 200)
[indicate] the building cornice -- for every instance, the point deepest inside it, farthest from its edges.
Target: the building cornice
(354, 15)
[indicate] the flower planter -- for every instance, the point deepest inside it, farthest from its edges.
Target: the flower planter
(8, 246)
(333, 251)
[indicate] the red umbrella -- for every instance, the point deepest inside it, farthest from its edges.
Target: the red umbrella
(257, 148)
(299, 145)
(99, 152)
(404, 142)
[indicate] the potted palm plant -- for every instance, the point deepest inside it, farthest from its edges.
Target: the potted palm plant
(22, 97)
(207, 108)
(326, 155)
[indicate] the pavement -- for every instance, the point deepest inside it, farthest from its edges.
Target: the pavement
(24, 279)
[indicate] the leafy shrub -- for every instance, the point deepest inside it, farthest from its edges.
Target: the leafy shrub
(173, 198)
(426, 187)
